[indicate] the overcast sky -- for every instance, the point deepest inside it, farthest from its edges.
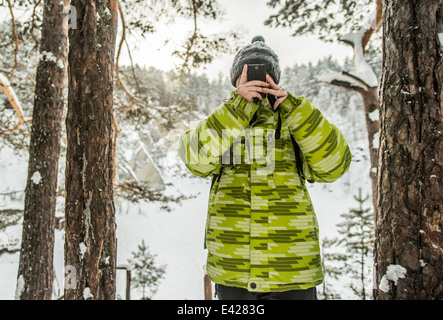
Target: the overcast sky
(247, 15)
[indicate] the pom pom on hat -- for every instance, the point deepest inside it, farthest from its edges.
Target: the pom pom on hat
(256, 52)
(258, 38)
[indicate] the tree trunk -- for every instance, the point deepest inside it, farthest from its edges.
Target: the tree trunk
(35, 274)
(365, 82)
(409, 239)
(90, 245)
(371, 109)
(371, 106)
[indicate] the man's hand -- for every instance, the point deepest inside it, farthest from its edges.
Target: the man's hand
(276, 91)
(250, 90)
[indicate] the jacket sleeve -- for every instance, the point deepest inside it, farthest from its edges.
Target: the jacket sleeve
(325, 152)
(202, 149)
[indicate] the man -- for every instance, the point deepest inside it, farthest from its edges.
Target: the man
(262, 232)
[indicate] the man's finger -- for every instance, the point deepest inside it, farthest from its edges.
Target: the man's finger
(256, 83)
(278, 102)
(251, 95)
(244, 75)
(271, 82)
(277, 93)
(257, 95)
(255, 89)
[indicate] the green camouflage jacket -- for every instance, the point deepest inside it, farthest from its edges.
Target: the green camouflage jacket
(261, 230)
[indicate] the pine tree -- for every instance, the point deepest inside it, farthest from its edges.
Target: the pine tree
(90, 245)
(410, 179)
(146, 274)
(35, 274)
(330, 268)
(358, 236)
(327, 19)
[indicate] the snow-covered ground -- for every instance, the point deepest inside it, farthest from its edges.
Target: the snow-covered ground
(176, 235)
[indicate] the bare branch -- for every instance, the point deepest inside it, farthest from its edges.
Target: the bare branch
(135, 191)
(363, 83)
(13, 100)
(14, 31)
(134, 100)
(344, 79)
(192, 39)
(132, 67)
(346, 85)
(32, 22)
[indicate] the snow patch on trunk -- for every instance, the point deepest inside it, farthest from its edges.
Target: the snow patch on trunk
(36, 177)
(83, 172)
(50, 57)
(83, 249)
(374, 115)
(376, 141)
(393, 273)
(20, 287)
(87, 293)
(87, 219)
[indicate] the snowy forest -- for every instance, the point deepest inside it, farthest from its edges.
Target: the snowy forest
(95, 203)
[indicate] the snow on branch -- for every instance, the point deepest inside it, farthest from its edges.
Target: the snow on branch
(358, 41)
(343, 79)
(364, 77)
(363, 70)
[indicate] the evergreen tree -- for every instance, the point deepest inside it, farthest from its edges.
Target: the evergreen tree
(35, 274)
(358, 236)
(409, 240)
(146, 274)
(327, 19)
(331, 270)
(90, 243)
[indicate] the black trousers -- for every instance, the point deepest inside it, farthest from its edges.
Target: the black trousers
(233, 293)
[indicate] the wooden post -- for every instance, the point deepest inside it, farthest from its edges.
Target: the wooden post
(208, 287)
(128, 284)
(128, 280)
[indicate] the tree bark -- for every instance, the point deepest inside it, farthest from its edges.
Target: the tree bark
(90, 245)
(410, 179)
(35, 274)
(371, 106)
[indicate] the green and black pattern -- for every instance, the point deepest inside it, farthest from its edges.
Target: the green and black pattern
(261, 230)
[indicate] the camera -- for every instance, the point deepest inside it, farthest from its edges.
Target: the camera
(258, 72)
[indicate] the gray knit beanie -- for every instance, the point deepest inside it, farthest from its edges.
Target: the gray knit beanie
(255, 53)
